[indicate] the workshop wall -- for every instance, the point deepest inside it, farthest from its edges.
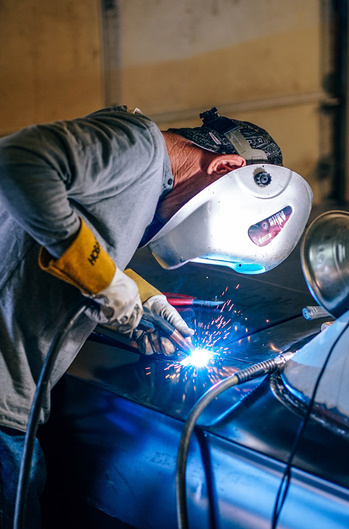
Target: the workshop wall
(259, 61)
(50, 61)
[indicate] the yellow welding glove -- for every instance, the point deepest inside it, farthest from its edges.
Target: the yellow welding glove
(156, 302)
(87, 266)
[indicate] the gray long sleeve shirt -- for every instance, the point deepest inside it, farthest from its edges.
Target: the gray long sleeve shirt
(110, 168)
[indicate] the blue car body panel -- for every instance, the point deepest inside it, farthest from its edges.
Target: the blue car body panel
(112, 440)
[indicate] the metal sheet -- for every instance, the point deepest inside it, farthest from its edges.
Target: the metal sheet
(117, 418)
(112, 462)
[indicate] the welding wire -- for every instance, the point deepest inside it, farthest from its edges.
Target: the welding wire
(314, 313)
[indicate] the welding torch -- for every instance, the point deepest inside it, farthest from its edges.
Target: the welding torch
(150, 320)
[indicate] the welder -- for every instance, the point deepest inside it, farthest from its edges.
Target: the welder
(77, 198)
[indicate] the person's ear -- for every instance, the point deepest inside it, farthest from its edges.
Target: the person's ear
(223, 164)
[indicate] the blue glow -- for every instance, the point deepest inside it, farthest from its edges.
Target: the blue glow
(243, 268)
(198, 358)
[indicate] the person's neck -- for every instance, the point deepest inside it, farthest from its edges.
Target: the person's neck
(185, 157)
(189, 168)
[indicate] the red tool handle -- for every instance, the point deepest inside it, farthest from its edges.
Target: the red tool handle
(184, 299)
(178, 299)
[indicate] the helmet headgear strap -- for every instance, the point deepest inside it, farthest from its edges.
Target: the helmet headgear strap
(226, 127)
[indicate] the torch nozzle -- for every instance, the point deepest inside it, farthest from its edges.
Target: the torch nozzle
(182, 343)
(168, 330)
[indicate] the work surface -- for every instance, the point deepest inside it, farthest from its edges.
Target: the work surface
(261, 316)
(117, 417)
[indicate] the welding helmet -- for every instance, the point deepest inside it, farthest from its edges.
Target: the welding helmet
(249, 219)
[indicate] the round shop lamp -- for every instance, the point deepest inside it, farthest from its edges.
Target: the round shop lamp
(325, 261)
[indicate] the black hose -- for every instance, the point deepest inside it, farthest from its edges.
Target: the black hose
(239, 377)
(57, 342)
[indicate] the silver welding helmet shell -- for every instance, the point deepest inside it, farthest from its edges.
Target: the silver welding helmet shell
(250, 220)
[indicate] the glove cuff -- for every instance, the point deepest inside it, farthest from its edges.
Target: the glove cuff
(85, 264)
(146, 290)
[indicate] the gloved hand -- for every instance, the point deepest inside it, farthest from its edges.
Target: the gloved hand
(155, 342)
(155, 301)
(87, 266)
(120, 304)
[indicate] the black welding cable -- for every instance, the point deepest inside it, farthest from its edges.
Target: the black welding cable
(285, 480)
(57, 342)
(254, 371)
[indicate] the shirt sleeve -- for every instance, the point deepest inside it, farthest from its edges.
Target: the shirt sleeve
(46, 169)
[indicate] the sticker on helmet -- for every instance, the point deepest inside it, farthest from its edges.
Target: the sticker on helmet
(263, 232)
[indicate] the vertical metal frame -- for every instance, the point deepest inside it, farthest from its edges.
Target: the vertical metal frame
(333, 164)
(340, 120)
(111, 46)
(346, 141)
